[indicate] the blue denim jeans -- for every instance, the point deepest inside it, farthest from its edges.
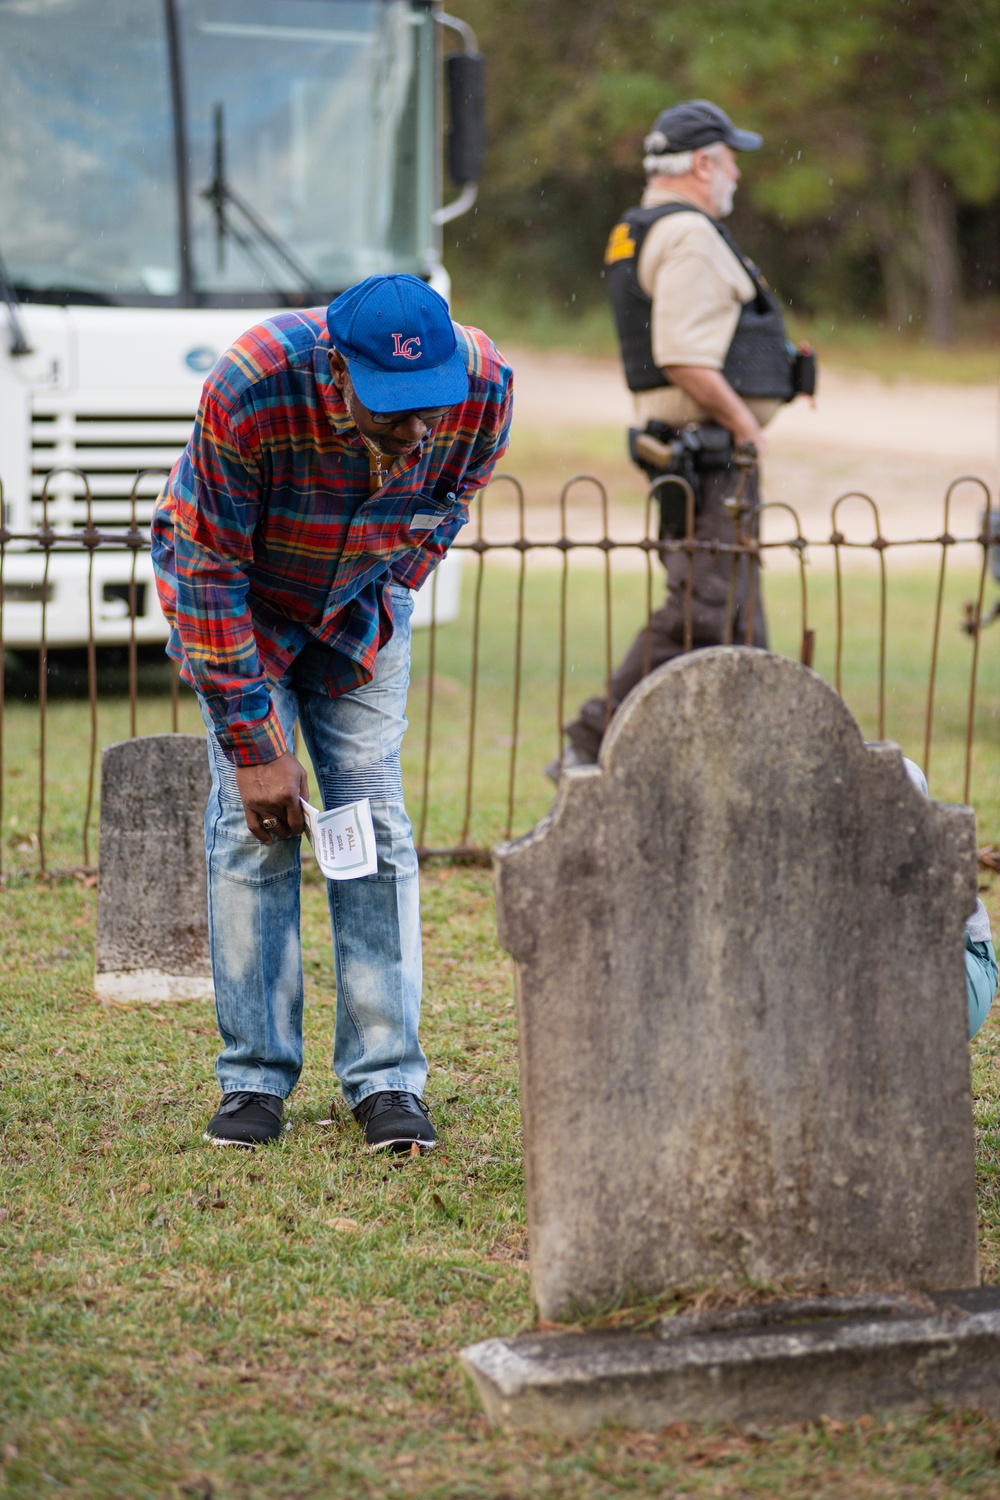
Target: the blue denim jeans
(253, 895)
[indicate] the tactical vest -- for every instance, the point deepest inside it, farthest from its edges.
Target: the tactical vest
(760, 360)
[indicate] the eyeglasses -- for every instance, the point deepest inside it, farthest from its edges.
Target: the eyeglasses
(397, 418)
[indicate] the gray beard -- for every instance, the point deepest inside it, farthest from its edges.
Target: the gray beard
(724, 201)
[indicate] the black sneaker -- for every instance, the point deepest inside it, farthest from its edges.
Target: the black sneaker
(245, 1120)
(396, 1121)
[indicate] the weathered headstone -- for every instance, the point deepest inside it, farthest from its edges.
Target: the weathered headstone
(152, 908)
(741, 1004)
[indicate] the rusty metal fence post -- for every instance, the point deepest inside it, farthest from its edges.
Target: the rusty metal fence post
(474, 835)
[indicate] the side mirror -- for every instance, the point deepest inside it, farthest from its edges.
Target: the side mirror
(465, 79)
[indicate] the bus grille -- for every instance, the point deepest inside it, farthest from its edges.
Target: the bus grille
(110, 448)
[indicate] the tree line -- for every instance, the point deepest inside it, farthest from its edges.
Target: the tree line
(877, 191)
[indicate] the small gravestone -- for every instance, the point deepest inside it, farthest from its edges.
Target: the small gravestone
(152, 906)
(741, 1010)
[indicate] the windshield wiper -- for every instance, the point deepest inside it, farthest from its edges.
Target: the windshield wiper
(223, 196)
(18, 343)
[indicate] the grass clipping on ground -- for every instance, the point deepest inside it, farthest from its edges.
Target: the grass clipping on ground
(176, 1320)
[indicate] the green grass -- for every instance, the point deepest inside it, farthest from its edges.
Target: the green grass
(67, 761)
(537, 325)
(910, 596)
(451, 817)
(854, 344)
(179, 1322)
(871, 347)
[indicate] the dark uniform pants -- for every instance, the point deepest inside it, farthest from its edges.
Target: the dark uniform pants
(712, 586)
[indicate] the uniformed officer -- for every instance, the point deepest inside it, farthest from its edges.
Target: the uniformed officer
(708, 360)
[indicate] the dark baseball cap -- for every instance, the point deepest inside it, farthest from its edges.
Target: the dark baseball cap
(696, 123)
(396, 334)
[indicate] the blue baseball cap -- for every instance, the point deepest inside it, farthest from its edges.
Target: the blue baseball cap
(396, 334)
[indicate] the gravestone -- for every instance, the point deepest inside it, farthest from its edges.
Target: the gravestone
(738, 944)
(152, 904)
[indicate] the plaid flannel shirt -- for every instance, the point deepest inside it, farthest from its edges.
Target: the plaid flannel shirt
(266, 537)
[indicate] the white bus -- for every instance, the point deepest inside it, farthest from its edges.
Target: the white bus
(172, 171)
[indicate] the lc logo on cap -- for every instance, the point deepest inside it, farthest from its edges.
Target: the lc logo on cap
(408, 348)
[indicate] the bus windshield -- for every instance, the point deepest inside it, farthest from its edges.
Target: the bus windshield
(307, 130)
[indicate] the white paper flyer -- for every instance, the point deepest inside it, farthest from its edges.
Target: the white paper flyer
(343, 839)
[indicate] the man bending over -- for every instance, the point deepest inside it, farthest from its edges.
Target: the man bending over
(328, 473)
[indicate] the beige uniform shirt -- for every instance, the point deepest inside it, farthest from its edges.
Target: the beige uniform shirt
(698, 287)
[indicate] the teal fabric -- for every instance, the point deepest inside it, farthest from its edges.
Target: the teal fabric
(980, 981)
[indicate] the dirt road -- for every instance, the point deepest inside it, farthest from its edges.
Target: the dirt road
(902, 443)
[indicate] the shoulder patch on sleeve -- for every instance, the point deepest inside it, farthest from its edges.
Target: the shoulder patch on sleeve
(621, 245)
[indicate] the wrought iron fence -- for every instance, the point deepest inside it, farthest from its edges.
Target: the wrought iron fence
(505, 530)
